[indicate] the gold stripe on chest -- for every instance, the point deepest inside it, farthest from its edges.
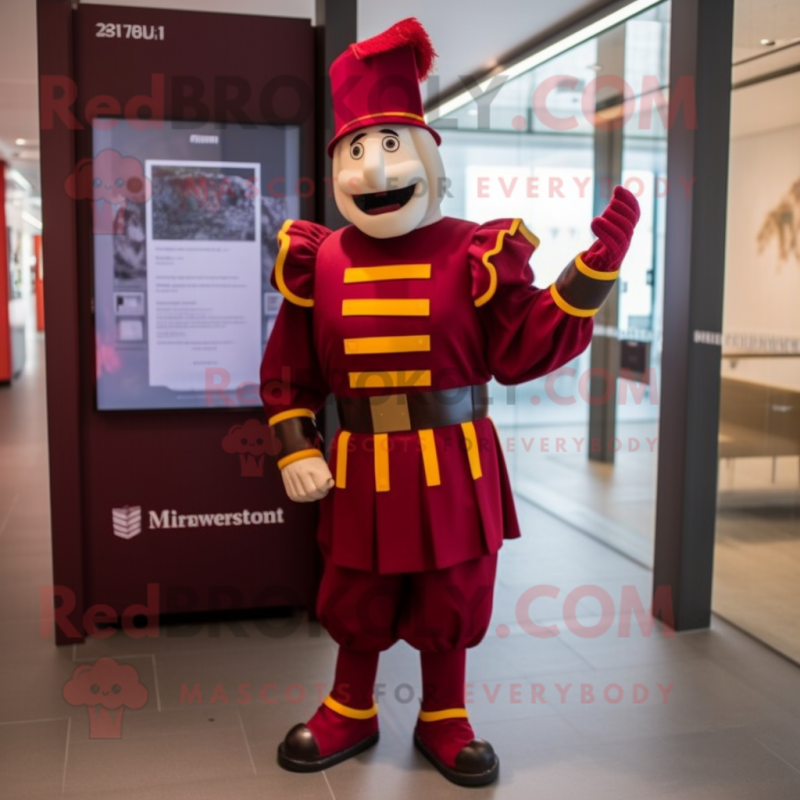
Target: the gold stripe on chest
(394, 307)
(368, 345)
(393, 272)
(390, 379)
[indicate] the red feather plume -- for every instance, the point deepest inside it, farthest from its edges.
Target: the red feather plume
(406, 33)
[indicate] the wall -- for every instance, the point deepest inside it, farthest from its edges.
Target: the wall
(762, 285)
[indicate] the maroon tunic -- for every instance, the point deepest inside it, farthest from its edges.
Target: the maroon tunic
(448, 305)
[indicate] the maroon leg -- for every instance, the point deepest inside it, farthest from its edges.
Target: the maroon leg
(333, 728)
(449, 612)
(359, 610)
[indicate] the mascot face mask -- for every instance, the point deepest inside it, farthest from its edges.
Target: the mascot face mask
(388, 179)
(388, 176)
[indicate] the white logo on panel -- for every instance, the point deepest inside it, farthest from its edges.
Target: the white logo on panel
(127, 521)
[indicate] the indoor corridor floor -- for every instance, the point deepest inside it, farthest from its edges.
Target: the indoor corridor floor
(708, 714)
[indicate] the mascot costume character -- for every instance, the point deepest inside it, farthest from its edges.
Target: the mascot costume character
(405, 315)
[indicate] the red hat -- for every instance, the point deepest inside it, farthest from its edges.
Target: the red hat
(377, 81)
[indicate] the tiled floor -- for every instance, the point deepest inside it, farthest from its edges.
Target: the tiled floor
(611, 502)
(218, 703)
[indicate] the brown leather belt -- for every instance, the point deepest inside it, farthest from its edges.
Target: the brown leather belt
(392, 413)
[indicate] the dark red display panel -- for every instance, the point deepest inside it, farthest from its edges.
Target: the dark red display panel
(235, 69)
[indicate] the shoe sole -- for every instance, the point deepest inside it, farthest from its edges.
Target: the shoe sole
(293, 765)
(454, 776)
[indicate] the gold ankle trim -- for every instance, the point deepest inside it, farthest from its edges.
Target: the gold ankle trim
(351, 713)
(447, 713)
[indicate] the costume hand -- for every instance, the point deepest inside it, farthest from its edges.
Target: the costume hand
(614, 230)
(307, 480)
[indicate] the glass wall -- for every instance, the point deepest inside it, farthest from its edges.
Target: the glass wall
(23, 222)
(533, 150)
(757, 556)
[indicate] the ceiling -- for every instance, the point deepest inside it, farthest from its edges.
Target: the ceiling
(777, 20)
(465, 42)
(18, 94)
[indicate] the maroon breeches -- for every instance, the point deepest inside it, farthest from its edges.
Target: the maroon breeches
(447, 609)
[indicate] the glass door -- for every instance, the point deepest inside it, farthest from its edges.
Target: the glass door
(539, 152)
(757, 554)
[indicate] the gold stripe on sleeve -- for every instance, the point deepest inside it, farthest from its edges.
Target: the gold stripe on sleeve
(580, 265)
(291, 414)
(569, 309)
(312, 452)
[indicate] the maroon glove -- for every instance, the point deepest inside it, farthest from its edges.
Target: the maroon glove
(614, 230)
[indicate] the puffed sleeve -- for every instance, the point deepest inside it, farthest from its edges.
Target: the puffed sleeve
(293, 388)
(530, 331)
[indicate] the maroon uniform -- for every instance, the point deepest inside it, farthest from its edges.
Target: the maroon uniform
(406, 329)
(416, 516)
(445, 307)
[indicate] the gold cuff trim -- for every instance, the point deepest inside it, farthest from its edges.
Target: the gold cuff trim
(380, 442)
(389, 273)
(312, 452)
(285, 242)
(341, 459)
(386, 308)
(447, 713)
(368, 345)
(565, 306)
(430, 459)
(473, 453)
(291, 414)
(580, 265)
(350, 713)
(391, 379)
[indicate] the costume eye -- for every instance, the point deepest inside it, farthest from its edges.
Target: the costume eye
(356, 150)
(391, 144)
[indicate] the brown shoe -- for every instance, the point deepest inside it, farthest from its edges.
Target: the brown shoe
(476, 764)
(299, 752)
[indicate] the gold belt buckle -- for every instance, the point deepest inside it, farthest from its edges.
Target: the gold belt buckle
(389, 413)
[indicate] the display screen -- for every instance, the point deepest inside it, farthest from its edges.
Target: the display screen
(185, 224)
